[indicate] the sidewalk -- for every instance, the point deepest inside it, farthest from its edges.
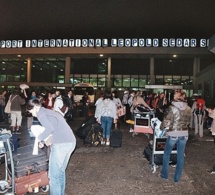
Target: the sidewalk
(124, 171)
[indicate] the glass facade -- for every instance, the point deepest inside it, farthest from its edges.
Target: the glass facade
(125, 73)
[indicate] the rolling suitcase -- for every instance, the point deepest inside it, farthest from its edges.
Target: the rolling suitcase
(31, 183)
(25, 163)
(116, 138)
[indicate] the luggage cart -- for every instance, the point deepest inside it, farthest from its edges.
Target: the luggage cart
(158, 145)
(10, 181)
(142, 122)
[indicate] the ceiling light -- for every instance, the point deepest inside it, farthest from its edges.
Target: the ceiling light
(101, 55)
(19, 56)
(174, 56)
(3, 62)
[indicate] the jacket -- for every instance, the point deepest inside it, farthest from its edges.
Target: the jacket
(111, 112)
(16, 102)
(177, 119)
(56, 126)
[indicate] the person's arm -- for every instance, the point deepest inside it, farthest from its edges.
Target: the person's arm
(49, 128)
(145, 104)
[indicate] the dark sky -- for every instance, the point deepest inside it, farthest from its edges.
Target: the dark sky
(53, 19)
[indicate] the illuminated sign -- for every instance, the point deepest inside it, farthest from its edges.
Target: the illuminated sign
(104, 43)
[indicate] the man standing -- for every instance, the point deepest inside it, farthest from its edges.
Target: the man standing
(62, 146)
(58, 104)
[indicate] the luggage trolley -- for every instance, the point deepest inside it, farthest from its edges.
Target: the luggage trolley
(159, 141)
(142, 118)
(9, 184)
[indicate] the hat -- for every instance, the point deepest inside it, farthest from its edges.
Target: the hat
(195, 94)
(23, 86)
(125, 91)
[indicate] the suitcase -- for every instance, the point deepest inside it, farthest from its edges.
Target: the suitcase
(116, 138)
(158, 158)
(31, 183)
(25, 163)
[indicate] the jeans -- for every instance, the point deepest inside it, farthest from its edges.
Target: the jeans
(180, 144)
(58, 161)
(106, 122)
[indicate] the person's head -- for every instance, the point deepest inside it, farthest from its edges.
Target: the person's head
(179, 95)
(107, 95)
(57, 93)
(101, 95)
(34, 106)
(114, 94)
(16, 91)
(49, 94)
(139, 93)
(4, 92)
(70, 93)
(33, 93)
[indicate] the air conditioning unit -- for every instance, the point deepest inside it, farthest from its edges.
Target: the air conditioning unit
(211, 46)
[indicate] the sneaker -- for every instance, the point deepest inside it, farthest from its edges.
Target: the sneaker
(131, 130)
(173, 166)
(102, 142)
(211, 172)
(107, 143)
(165, 179)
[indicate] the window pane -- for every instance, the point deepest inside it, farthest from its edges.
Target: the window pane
(102, 80)
(134, 81)
(117, 81)
(126, 81)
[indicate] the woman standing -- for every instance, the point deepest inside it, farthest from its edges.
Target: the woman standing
(16, 109)
(106, 114)
(176, 123)
(117, 102)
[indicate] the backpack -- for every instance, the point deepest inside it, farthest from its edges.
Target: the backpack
(94, 136)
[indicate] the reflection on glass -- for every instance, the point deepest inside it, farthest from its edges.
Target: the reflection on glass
(126, 81)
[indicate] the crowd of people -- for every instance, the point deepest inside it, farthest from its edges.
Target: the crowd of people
(176, 115)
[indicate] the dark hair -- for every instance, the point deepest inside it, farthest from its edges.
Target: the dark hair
(108, 95)
(115, 93)
(32, 103)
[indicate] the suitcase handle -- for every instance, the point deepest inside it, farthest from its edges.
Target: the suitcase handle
(33, 168)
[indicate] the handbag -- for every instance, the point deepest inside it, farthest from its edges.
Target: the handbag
(121, 111)
(7, 108)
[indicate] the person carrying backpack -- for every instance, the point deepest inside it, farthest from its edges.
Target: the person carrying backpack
(59, 104)
(106, 114)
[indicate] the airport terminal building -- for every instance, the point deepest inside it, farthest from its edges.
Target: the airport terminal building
(109, 63)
